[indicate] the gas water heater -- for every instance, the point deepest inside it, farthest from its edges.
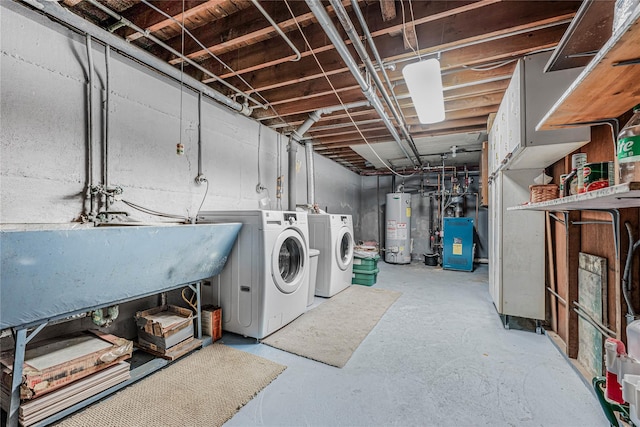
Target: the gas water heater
(398, 234)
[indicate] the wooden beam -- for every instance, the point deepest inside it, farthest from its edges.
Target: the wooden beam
(307, 69)
(341, 143)
(356, 95)
(246, 27)
(573, 251)
(388, 10)
(410, 39)
(498, 50)
(450, 131)
(145, 17)
(464, 76)
(327, 100)
(460, 114)
(251, 57)
(504, 22)
(349, 131)
(448, 124)
(307, 90)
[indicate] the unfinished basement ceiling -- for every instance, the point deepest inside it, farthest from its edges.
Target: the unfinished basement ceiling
(477, 42)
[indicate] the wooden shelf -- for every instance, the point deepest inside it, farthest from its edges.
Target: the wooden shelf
(619, 196)
(589, 30)
(603, 90)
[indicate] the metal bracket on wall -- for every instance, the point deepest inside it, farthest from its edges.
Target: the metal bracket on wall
(615, 222)
(614, 124)
(557, 219)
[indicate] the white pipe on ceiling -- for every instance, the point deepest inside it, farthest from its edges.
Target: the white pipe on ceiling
(59, 13)
(325, 22)
(159, 42)
(275, 26)
(348, 26)
(298, 135)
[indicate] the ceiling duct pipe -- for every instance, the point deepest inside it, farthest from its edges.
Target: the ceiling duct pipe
(348, 26)
(59, 13)
(296, 137)
(276, 27)
(381, 64)
(324, 20)
(162, 44)
(293, 150)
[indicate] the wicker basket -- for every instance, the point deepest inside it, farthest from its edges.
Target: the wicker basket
(541, 193)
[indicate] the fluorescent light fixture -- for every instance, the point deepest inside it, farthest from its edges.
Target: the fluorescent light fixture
(424, 81)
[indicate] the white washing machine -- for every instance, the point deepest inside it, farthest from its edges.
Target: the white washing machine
(332, 235)
(265, 283)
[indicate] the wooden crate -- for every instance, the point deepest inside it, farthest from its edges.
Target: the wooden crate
(212, 321)
(161, 328)
(52, 364)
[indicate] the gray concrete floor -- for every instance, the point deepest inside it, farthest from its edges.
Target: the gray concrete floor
(438, 357)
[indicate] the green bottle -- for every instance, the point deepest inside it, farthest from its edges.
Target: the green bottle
(629, 149)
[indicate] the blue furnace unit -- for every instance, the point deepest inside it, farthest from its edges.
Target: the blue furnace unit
(458, 249)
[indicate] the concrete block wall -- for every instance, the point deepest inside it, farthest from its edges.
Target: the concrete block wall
(43, 161)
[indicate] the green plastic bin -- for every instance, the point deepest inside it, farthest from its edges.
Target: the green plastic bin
(364, 277)
(365, 264)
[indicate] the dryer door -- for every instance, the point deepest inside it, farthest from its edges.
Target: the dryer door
(344, 248)
(288, 261)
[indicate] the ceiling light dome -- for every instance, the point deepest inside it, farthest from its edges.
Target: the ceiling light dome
(424, 81)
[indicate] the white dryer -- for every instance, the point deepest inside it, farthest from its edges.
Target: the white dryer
(332, 235)
(265, 282)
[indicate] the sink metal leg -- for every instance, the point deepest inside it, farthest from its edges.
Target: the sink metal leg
(21, 340)
(18, 362)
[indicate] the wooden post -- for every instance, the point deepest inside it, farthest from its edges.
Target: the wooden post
(551, 274)
(573, 252)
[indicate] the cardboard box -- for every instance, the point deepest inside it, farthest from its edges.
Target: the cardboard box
(212, 321)
(52, 364)
(164, 327)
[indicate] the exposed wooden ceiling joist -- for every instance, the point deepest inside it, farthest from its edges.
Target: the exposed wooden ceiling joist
(478, 43)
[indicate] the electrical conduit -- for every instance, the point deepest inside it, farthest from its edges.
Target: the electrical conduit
(297, 135)
(343, 16)
(56, 11)
(325, 22)
(376, 54)
(277, 28)
(172, 50)
(92, 211)
(105, 144)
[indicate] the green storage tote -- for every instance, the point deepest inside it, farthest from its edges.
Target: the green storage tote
(364, 277)
(365, 264)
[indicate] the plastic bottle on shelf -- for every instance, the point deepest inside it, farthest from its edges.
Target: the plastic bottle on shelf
(629, 149)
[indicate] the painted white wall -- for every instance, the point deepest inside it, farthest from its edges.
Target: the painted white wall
(43, 152)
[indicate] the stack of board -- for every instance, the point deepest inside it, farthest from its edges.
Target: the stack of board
(166, 331)
(33, 411)
(61, 372)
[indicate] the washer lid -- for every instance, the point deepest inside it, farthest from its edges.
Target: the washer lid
(344, 248)
(288, 261)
